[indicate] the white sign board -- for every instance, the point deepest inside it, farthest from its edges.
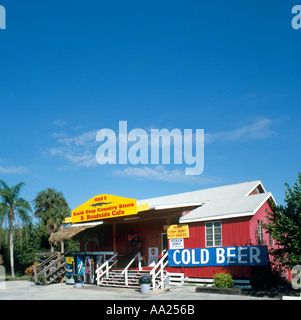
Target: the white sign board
(152, 256)
(176, 243)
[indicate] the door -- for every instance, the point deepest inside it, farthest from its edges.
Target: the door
(164, 241)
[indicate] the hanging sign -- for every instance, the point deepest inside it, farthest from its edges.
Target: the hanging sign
(219, 256)
(176, 243)
(104, 206)
(178, 231)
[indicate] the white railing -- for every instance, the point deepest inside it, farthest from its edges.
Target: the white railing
(125, 271)
(106, 265)
(154, 273)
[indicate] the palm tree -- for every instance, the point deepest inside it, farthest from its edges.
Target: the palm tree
(14, 209)
(51, 206)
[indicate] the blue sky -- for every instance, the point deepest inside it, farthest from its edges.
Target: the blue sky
(71, 68)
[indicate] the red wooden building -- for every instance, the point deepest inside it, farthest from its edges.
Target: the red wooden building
(225, 216)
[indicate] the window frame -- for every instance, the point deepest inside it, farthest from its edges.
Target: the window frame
(260, 239)
(214, 234)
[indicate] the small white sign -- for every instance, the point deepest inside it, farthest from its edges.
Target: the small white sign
(152, 256)
(176, 243)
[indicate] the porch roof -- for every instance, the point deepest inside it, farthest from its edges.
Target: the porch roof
(68, 233)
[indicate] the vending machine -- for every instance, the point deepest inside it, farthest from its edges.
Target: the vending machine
(74, 266)
(69, 269)
(89, 269)
(80, 265)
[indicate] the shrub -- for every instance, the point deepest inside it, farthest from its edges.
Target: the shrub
(29, 270)
(267, 277)
(223, 280)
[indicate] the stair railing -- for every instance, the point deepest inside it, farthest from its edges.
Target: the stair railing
(37, 269)
(125, 271)
(44, 269)
(104, 269)
(160, 266)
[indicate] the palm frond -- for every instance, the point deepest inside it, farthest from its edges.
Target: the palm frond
(16, 189)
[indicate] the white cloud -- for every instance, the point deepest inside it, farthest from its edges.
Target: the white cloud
(257, 130)
(13, 170)
(161, 173)
(59, 123)
(79, 151)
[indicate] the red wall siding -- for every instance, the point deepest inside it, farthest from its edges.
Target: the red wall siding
(234, 232)
(259, 215)
(148, 231)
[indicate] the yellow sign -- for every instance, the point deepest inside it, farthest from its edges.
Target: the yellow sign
(104, 206)
(177, 231)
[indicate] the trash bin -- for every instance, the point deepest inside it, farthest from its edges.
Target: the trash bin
(145, 283)
(78, 280)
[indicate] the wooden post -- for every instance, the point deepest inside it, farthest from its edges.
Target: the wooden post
(35, 274)
(62, 242)
(114, 238)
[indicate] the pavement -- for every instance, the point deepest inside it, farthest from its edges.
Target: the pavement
(27, 290)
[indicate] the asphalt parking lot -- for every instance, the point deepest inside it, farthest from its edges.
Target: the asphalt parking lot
(27, 290)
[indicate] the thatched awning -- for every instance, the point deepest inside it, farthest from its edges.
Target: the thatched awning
(68, 233)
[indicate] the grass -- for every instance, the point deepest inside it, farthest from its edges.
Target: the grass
(8, 277)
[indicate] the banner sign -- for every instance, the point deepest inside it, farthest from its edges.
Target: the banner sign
(177, 231)
(219, 256)
(104, 206)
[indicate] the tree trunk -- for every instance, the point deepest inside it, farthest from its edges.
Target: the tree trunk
(11, 249)
(62, 242)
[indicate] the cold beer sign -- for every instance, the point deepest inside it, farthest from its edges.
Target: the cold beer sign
(220, 256)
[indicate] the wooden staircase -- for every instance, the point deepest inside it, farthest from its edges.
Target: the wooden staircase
(51, 270)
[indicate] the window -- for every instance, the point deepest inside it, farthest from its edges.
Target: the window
(213, 234)
(260, 232)
(271, 240)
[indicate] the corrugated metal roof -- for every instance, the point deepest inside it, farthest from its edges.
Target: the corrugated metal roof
(214, 203)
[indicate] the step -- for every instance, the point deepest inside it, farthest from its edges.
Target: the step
(122, 281)
(122, 276)
(58, 271)
(119, 286)
(118, 282)
(131, 270)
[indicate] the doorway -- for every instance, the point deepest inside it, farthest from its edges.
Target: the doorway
(164, 241)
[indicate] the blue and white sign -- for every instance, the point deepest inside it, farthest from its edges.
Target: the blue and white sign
(219, 256)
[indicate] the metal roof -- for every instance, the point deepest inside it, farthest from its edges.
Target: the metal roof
(214, 203)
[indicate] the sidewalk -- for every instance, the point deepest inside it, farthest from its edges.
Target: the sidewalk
(26, 290)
